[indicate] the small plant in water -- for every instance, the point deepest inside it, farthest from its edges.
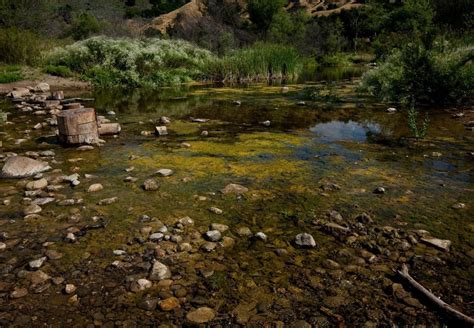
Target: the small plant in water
(418, 133)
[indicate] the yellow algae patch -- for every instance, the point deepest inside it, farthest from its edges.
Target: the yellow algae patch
(268, 169)
(182, 127)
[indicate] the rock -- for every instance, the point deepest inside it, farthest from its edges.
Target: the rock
(169, 304)
(216, 210)
(185, 247)
(305, 240)
(19, 292)
(285, 89)
(157, 236)
(233, 188)
(36, 264)
(23, 167)
(38, 277)
(186, 221)
(37, 184)
(204, 133)
(201, 315)
(70, 237)
(3, 246)
(108, 129)
(213, 235)
(161, 131)
(208, 246)
(19, 93)
(438, 243)
(148, 304)
(301, 103)
(107, 201)
(458, 206)
(111, 113)
(85, 148)
(237, 102)
(330, 264)
(95, 187)
(52, 254)
(379, 190)
(159, 271)
(151, 185)
(391, 110)
(260, 235)
(140, 285)
(57, 95)
(266, 123)
(364, 218)
(119, 252)
(42, 87)
(165, 120)
(244, 232)
(32, 209)
(69, 289)
(43, 201)
(164, 172)
(330, 187)
(219, 227)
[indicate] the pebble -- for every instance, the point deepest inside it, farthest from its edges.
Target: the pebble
(69, 289)
(52, 254)
(3, 246)
(233, 188)
(219, 227)
(148, 304)
(169, 304)
(159, 271)
(95, 187)
(38, 263)
(108, 201)
(391, 110)
(438, 243)
(164, 172)
(119, 252)
(260, 235)
(37, 184)
(458, 206)
(19, 292)
(305, 240)
(157, 236)
(208, 246)
(151, 185)
(140, 285)
(244, 232)
(379, 190)
(216, 210)
(32, 209)
(213, 235)
(201, 315)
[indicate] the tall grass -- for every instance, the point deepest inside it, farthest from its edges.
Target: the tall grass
(132, 62)
(10, 73)
(22, 47)
(261, 61)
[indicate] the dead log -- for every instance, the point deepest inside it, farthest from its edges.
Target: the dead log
(78, 126)
(109, 129)
(435, 300)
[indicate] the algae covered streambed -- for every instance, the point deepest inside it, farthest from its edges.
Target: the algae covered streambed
(312, 165)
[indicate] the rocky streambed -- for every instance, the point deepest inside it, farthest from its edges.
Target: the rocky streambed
(255, 208)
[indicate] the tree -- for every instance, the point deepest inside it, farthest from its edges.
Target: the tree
(288, 28)
(83, 26)
(261, 12)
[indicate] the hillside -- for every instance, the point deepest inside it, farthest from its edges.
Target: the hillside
(197, 15)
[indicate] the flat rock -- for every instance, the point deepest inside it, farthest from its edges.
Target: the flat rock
(23, 167)
(169, 304)
(37, 184)
(213, 235)
(164, 172)
(438, 243)
(95, 187)
(32, 209)
(108, 201)
(151, 185)
(201, 315)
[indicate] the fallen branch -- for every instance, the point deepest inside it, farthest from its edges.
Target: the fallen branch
(430, 296)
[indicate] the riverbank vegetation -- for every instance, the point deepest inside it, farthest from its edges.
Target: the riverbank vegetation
(422, 48)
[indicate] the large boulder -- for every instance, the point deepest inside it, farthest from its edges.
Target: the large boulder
(19, 93)
(22, 167)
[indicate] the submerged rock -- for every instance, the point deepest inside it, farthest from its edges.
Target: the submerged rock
(233, 188)
(305, 240)
(201, 315)
(95, 187)
(164, 172)
(23, 167)
(213, 235)
(151, 185)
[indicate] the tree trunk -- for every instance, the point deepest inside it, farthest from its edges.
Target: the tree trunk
(78, 126)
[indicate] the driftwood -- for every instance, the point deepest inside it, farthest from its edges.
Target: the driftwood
(435, 300)
(109, 129)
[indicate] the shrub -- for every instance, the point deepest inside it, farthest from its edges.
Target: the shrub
(130, 62)
(262, 61)
(442, 74)
(84, 26)
(58, 70)
(261, 12)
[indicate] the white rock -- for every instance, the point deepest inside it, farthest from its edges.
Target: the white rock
(95, 187)
(164, 172)
(23, 167)
(36, 264)
(305, 240)
(159, 271)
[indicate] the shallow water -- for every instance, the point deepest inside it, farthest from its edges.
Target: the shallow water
(287, 167)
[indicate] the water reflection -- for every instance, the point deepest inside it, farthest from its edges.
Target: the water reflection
(352, 131)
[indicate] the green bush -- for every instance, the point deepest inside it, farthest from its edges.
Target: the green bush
(21, 47)
(10, 73)
(84, 25)
(58, 70)
(130, 62)
(415, 74)
(262, 61)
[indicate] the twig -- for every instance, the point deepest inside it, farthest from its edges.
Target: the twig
(430, 296)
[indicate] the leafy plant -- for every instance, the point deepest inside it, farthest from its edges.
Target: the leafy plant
(10, 73)
(21, 47)
(417, 132)
(58, 70)
(84, 26)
